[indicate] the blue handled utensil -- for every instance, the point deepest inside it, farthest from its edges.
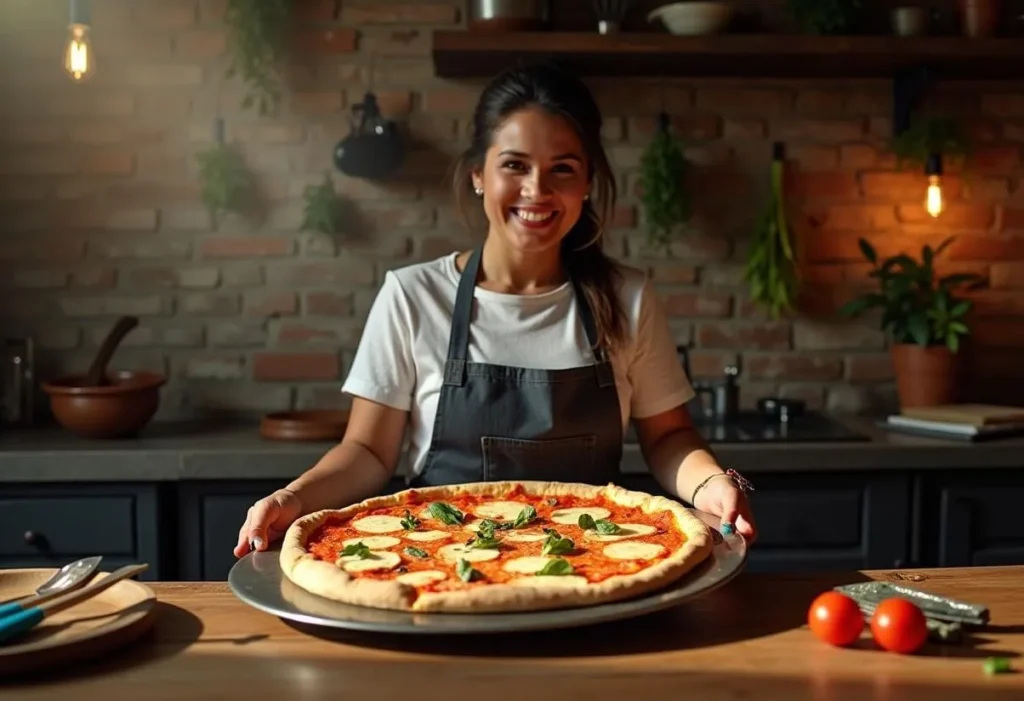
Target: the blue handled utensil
(67, 578)
(24, 620)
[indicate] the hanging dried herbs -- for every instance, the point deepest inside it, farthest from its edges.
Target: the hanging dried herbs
(256, 34)
(662, 172)
(323, 208)
(226, 184)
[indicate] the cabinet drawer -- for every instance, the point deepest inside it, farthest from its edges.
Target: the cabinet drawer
(102, 525)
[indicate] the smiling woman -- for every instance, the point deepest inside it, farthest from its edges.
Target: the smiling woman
(526, 357)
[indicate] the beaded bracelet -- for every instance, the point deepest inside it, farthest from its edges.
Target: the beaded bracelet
(741, 482)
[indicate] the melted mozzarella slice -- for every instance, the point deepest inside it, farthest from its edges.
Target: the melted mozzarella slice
(421, 578)
(631, 550)
(568, 581)
(461, 551)
(629, 530)
(571, 517)
(531, 564)
(374, 542)
(378, 524)
(499, 510)
(378, 560)
(426, 536)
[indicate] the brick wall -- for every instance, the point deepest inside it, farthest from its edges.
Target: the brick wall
(101, 214)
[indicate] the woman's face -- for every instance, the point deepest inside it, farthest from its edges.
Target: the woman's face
(534, 180)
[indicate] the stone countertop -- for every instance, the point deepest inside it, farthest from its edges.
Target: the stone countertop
(207, 451)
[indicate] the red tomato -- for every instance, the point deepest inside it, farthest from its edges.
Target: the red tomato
(899, 626)
(835, 619)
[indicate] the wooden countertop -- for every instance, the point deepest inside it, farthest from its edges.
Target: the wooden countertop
(747, 640)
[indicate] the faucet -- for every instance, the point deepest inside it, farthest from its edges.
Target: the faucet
(723, 395)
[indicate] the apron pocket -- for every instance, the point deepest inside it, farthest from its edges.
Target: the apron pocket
(568, 459)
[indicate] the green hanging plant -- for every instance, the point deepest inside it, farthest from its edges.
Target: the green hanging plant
(824, 16)
(323, 208)
(771, 268)
(225, 181)
(256, 34)
(665, 201)
(927, 136)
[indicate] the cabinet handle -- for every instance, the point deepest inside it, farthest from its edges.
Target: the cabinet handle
(31, 538)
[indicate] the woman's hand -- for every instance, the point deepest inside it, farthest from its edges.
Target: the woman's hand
(721, 497)
(267, 521)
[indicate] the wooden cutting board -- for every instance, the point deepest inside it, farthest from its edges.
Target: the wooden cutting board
(969, 414)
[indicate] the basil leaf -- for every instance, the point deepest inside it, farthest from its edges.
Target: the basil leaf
(357, 550)
(488, 528)
(484, 543)
(416, 552)
(557, 567)
(586, 522)
(446, 513)
(466, 572)
(557, 545)
(525, 516)
(410, 522)
(607, 527)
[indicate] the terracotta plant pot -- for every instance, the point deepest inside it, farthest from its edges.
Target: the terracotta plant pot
(979, 18)
(925, 375)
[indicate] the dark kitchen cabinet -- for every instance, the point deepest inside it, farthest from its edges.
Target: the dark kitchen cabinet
(210, 514)
(826, 520)
(970, 518)
(49, 525)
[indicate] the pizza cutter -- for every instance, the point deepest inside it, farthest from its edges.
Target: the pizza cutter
(26, 619)
(67, 578)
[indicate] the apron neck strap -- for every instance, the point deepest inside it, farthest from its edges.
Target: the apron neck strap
(458, 341)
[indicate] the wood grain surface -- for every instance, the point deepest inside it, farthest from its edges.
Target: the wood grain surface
(748, 640)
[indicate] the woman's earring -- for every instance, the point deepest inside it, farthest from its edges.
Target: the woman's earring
(479, 191)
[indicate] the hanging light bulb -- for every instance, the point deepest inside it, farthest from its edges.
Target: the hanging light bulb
(79, 62)
(933, 200)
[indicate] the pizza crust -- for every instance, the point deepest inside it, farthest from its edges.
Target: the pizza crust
(328, 580)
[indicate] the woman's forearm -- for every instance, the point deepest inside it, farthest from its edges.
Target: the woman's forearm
(681, 461)
(349, 472)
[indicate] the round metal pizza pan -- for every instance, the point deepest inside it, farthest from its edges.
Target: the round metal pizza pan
(257, 580)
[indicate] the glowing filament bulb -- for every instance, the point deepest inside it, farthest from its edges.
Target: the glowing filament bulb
(78, 59)
(933, 200)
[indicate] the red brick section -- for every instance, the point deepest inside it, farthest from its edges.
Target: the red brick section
(103, 216)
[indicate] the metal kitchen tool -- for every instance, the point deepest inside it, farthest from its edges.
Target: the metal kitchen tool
(257, 580)
(17, 383)
(945, 617)
(67, 578)
(22, 621)
(724, 395)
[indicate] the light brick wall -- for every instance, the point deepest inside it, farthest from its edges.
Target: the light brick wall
(101, 214)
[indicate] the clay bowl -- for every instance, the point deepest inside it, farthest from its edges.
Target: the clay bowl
(119, 409)
(312, 425)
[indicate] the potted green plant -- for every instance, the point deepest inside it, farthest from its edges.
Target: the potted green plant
(824, 16)
(925, 318)
(663, 194)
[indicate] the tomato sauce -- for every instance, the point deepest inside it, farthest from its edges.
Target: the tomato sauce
(586, 558)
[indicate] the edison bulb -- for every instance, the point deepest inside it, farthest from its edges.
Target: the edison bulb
(78, 59)
(933, 200)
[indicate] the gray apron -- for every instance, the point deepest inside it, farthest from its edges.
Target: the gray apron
(496, 422)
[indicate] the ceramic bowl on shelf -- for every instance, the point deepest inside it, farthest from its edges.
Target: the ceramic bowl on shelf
(693, 18)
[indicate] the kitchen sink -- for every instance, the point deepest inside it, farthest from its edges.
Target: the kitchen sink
(752, 427)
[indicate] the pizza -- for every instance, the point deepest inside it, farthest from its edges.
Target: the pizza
(495, 546)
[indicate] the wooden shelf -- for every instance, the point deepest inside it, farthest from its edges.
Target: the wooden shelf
(463, 54)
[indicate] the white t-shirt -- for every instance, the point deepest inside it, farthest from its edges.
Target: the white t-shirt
(404, 345)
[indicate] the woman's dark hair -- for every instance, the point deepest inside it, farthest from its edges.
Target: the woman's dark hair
(559, 93)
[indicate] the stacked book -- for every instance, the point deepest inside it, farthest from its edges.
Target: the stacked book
(972, 422)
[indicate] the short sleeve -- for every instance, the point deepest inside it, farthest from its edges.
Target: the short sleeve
(656, 375)
(382, 369)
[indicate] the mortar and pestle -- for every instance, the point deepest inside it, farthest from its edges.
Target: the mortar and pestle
(102, 404)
